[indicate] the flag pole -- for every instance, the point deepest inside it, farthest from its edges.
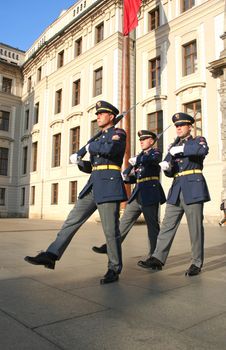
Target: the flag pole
(125, 103)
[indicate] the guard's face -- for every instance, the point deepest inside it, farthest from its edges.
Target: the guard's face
(183, 130)
(105, 120)
(146, 143)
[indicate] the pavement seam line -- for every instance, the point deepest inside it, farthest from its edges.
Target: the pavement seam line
(29, 328)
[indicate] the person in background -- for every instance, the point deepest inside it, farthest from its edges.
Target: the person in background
(223, 208)
(189, 191)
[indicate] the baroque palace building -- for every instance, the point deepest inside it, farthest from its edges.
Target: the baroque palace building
(48, 95)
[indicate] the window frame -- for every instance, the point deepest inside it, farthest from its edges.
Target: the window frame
(193, 58)
(34, 155)
(78, 47)
(153, 16)
(158, 116)
(196, 111)
(2, 196)
(4, 161)
(75, 139)
(58, 101)
(184, 8)
(7, 87)
(39, 74)
(36, 112)
(4, 120)
(76, 92)
(60, 59)
(154, 72)
(73, 192)
(56, 150)
(99, 33)
(54, 193)
(32, 195)
(97, 90)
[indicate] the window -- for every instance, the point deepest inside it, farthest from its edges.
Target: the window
(154, 73)
(24, 164)
(60, 59)
(195, 110)
(36, 114)
(73, 192)
(34, 155)
(32, 195)
(4, 154)
(94, 128)
(39, 74)
(155, 124)
(54, 199)
(76, 93)
(98, 81)
(99, 35)
(22, 199)
(29, 84)
(2, 196)
(190, 58)
(187, 4)
(7, 85)
(75, 137)
(26, 122)
(153, 19)
(58, 101)
(78, 47)
(56, 150)
(4, 120)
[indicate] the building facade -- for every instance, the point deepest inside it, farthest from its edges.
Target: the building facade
(78, 61)
(11, 83)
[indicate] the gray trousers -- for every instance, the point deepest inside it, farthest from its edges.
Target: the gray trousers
(84, 208)
(171, 221)
(130, 216)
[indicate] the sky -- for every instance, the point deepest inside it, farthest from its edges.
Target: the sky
(22, 22)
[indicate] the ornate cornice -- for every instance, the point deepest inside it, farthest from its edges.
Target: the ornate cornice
(6, 138)
(75, 114)
(217, 67)
(56, 121)
(35, 131)
(153, 98)
(190, 86)
(25, 137)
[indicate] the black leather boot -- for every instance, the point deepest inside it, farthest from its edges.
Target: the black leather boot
(151, 263)
(43, 258)
(193, 270)
(100, 250)
(110, 277)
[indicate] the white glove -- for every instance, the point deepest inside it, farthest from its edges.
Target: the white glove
(176, 149)
(165, 166)
(87, 147)
(133, 160)
(124, 177)
(74, 158)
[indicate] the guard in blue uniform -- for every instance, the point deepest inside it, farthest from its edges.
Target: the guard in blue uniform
(147, 194)
(104, 191)
(184, 163)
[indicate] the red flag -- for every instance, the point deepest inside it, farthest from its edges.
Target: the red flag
(130, 10)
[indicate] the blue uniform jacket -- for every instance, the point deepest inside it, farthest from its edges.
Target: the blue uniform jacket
(147, 165)
(193, 186)
(107, 185)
